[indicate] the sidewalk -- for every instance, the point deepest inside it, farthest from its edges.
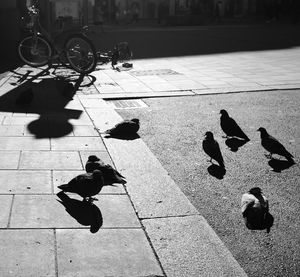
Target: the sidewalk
(149, 226)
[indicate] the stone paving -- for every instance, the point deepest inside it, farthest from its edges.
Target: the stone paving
(148, 227)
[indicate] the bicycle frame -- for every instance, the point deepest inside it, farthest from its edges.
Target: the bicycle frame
(38, 30)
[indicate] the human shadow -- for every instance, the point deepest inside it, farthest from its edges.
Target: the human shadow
(123, 136)
(279, 165)
(46, 97)
(235, 143)
(85, 212)
(216, 171)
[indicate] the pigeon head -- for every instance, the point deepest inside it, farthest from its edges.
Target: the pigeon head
(255, 191)
(224, 112)
(209, 135)
(136, 120)
(93, 158)
(262, 130)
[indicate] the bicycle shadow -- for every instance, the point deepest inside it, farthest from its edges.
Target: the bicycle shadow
(28, 93)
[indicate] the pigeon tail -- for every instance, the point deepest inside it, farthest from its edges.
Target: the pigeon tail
(221, 163)
(63, 186)
(289, 157)
(245, 137)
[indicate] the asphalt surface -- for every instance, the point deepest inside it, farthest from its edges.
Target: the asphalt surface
(173, 129)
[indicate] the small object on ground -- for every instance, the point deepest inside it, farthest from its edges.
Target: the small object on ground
(230, 127)
(127, 65)
(273, 146)
(212, 149)
(86, 185)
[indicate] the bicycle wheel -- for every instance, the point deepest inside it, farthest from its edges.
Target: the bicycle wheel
(80, 54)
(35, 51)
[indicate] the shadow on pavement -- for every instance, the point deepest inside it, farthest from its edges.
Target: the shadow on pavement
(279, 165)
(85, 213)
(123, 137)
(46, 96)
(216, 171)
(234, 143)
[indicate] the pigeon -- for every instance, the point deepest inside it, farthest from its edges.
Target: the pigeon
(124, 128)
(86, 185)
(272, 145)
(255, 210)
(110, 175)
(212, 149)
(230, 127)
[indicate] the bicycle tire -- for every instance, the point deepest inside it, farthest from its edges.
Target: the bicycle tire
(35, 51)
(80, 54)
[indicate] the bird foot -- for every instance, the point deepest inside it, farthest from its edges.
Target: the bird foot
(269, 156)
(90, 199)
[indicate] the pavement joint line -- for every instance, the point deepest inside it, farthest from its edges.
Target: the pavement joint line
(70, 228)
(55, 252)
(170, 216)
(10, 211)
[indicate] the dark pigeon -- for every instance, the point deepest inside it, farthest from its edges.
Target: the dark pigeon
(110, 175)
(230, 127)
(212, 149)
(273, 146)
(86, 185)
(125, 128)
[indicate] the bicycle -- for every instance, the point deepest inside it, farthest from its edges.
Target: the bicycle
(39, 48)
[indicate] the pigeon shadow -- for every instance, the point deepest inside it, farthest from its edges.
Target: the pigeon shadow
(216, 171)
(85, 213)
(123, 136)
(279, 165)
(235, 143)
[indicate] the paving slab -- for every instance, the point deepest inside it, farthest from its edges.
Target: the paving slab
(60, 160)
(77, 143)
(25, 181)
(9, 159)
(188, 247)
(5, 204)
(44, 211)
(63, 177)
(84, 131)
(19, 120)
(9, 131)
(103, 119)
(27, 253)
(150, 187)
(113, 252)
(23, 143)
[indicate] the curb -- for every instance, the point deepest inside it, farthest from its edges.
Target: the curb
(181, 238)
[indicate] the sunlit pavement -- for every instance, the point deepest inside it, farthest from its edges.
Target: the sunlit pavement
(47, 143)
